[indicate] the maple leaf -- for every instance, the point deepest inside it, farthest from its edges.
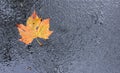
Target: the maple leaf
(35, 28)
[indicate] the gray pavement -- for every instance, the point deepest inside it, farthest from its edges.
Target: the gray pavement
(86, 37)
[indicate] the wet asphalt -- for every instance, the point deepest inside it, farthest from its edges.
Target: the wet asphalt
(86, 37)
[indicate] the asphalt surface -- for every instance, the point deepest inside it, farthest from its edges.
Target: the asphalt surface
(86, 37)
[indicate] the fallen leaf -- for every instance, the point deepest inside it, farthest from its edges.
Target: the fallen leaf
(35, 28)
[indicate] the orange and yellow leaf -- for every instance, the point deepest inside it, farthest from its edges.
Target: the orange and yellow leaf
(35, 28)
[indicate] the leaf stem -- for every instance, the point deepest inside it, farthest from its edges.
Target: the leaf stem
(39, 42)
